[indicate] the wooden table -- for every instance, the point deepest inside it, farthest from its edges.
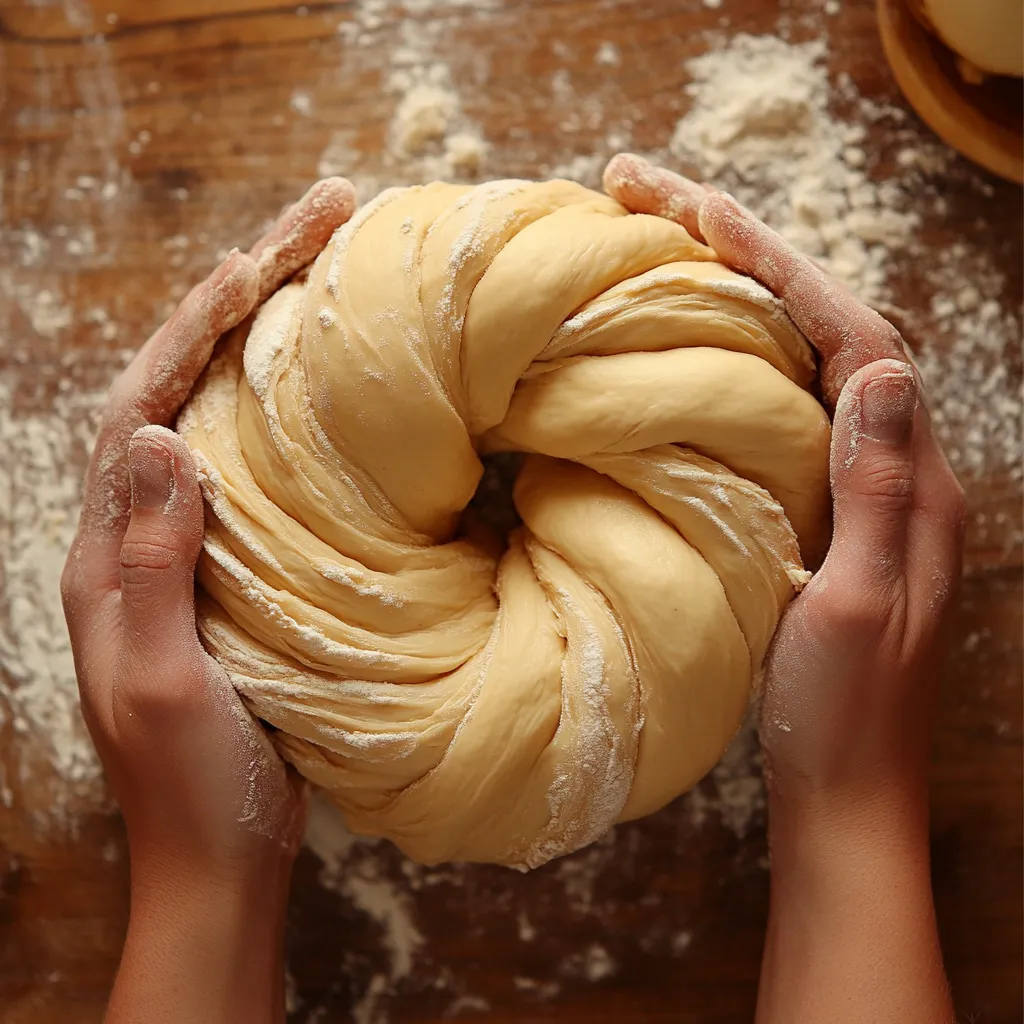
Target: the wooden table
(141, 138)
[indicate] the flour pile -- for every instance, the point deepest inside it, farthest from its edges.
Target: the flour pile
(429, 135)
(761, 128)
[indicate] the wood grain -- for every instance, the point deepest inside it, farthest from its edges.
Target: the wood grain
(184, 111)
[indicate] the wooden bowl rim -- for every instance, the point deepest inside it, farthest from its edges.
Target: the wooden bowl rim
(966, 127)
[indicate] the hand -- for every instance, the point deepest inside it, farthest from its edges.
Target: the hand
(849, 682)
(208, 805)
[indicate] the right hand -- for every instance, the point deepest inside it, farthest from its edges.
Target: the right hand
(849, 681)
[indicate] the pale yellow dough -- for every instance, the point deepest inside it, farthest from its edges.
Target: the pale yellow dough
(508, 707)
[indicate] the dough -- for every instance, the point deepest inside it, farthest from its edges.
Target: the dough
(987, 33)
(465, 701)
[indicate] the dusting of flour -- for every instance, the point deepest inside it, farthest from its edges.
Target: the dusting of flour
(760, 126)
(39, 496)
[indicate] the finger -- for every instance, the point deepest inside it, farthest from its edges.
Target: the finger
(873, 480)
(159, 551)
(847, 334)
(641, 187)
(936, 534)
(151, 390)
(301, 232)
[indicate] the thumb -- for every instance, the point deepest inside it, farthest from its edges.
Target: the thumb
(873, 475)
(160, 547)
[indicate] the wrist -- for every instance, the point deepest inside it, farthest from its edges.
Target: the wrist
(851, 928)
(204, 943)
(828, 830)
(877, 782)
(253, 888)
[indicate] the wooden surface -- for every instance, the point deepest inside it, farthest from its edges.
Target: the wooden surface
(199, 120)
(983, 121)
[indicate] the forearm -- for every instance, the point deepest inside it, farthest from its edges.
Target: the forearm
(202, 950)
(851, 932)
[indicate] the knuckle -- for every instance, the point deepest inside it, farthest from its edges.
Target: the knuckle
(879, 337)
(156, 699)
(70, 586)
(857, 612)
(887, 483)
(889, 336)
(144, 560)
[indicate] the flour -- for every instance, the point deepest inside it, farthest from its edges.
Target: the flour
(45, 310)
(594, 964)
(734, 789)
(423, 115)
(429, 136)
(350, 868)
(50, 751)
(540, 990)
(973, 381)
(608, 54)
(429, 132)
(760, 126)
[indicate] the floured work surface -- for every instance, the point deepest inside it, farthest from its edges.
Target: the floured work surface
(141, 148)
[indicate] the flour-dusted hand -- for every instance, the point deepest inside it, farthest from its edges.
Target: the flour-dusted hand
(872, 613)
(850, 678)
(869, 621)
(212, 816)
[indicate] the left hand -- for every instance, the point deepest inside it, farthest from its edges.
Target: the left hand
(202, 792)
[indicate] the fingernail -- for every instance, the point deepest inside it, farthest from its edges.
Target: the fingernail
(224, 269)
(151, 470)
(887, 407)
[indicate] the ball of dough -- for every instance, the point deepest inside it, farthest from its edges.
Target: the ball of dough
(505, 702)
(989, 34)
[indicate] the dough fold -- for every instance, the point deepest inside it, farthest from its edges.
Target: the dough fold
(493, 699)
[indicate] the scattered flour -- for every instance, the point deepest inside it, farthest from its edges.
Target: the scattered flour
(537, 989)
(429, 136)
(594, 964)
(49, 747)
(301, 102)
(429, 128)
(608, 54)
(466, 1004)
(974, 378)
(350, 869)
(734, 791)
(423, 115)
(760, 126)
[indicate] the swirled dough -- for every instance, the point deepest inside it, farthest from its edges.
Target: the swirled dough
(465, 701)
